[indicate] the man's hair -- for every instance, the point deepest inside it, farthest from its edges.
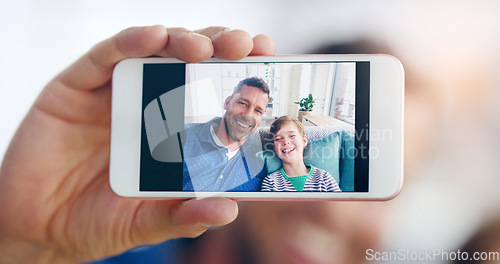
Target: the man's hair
(254, 82)
(278, 123)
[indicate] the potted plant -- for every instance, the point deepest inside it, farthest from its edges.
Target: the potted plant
(306, 106)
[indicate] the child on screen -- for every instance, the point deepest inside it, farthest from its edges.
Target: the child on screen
(289, 143)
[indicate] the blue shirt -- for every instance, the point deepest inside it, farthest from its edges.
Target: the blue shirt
(207, 167)
(169, 252)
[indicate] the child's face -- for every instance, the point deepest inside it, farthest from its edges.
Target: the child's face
(289, 143)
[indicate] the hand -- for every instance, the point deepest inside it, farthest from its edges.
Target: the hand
(56, 202)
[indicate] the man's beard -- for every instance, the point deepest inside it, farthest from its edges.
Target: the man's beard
(239, 127)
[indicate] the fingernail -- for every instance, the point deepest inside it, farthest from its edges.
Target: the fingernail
(158, 25)
(226, 30)
(155, 26)
(206, 225)
(194, 34)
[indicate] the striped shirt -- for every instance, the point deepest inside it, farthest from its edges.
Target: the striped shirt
(317, 180)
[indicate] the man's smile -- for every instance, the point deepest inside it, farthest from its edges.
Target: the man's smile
(241, 124)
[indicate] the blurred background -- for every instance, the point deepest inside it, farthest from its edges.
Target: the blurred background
(450, 48)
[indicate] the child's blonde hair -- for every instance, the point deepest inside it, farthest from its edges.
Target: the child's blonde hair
(278, 123)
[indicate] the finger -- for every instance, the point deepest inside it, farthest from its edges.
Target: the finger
(263, 45)
(159, 220)
(95, 68)
(204, 213)
(187, 45)
(229, 44)
(219, 42)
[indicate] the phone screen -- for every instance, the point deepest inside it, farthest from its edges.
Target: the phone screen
(252, 127)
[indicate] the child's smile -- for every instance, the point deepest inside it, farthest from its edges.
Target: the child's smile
(288, 150)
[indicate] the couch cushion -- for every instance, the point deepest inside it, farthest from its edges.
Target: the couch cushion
(347, 157)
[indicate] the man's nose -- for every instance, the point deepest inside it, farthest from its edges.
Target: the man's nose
(247, 112)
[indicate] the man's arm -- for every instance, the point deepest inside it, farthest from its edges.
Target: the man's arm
(57, 205)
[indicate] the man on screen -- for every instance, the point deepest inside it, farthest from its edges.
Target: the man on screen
(220, 155)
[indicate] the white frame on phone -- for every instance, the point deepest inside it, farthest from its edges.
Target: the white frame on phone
(386, 112)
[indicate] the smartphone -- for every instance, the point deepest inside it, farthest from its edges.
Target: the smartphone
(326, 127)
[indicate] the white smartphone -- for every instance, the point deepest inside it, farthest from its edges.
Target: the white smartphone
(326, 127)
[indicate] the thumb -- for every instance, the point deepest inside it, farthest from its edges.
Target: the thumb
(157, 221)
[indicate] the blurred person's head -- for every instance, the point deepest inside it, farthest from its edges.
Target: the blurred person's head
(310, 232)
(328, 232)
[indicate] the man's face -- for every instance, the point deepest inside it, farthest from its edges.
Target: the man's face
(244, 111)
